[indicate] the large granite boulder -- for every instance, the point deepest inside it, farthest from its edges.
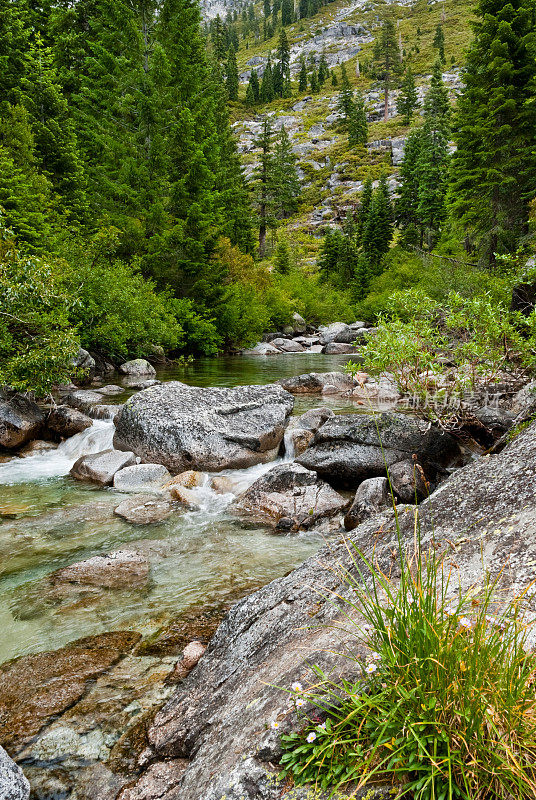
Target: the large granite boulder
(144, 509)
(139, 366)
(189, 427)
(372, 495)
(20, 420)
(350, 448)
(66, 421)
(291, 492)
(101, 467)
(483, 516)
(13, 784)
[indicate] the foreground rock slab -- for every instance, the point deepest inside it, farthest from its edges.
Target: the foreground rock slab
(141, 478)
(188, 427)
(144, 509)
(219, 718)
(112, 571)
(351, 448)
(13, 784)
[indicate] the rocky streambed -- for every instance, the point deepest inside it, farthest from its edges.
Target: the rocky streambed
(194, 498)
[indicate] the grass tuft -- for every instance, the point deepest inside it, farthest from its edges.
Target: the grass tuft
(445, 708)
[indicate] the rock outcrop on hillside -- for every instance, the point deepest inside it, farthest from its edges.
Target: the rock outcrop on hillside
(215, 729)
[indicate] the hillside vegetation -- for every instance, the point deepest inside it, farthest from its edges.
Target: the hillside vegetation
(214, 177)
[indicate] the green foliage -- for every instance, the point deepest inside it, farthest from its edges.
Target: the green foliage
(232, 75)
(37, 340)
(408, 99)
(357, 123)
(494, 164)
(445, 708)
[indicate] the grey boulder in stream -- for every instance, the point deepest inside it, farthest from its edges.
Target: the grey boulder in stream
(13, 784)
(189, 427)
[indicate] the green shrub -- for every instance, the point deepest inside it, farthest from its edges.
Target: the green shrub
(37, 340)
(445, 709)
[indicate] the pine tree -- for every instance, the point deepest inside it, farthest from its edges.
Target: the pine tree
(217, 36)
(302, 86)
(285, 184)
(439, 43)
(345, 101)
(408, 100)
(357, 123)
(53, 129)
(266, 94)
(277, 80)
(387, 59)
(313, 79)
(282, 257)
(334, 81)
(250, 97)
(255, 86)
(267, 8)
(364, 209)
(232, 75)
(378, 232)
(262, 184)
(26, 196)
(323, 69)
(408, 199)
(14, 43)
(287, 12)
(283, 54)
(436, 103)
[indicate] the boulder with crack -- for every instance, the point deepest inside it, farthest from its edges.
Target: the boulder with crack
(190, 427)
(291, 492)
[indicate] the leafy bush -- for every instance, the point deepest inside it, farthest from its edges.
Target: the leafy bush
(118, 312)
(439, 350)
(37, 340)
(446, 707)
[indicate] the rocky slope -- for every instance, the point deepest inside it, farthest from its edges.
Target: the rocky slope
(214, 732)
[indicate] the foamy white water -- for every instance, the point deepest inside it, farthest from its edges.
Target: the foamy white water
(56, 463)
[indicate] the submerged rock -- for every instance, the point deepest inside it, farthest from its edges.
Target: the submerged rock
(37, 447)
(144, 509)
(113, 571)
(339, 349)
(13, 784)
(189, 479)
(20, 420)
(101, 467)
(261, 349)
(36, 688)
(66, 421)
(289, 491)
(139, 366)
(83, 399)
(189, 427)
(351, 448)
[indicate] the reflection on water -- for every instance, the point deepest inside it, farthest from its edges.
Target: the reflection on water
(50, 521)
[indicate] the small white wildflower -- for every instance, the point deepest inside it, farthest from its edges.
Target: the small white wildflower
(274, 725)
(465, 622)
(375, 656)
(371, 668)
(300, 702)
(311, 737)
(449, 612)
(322, 725)
(296, 687)
(368, 628)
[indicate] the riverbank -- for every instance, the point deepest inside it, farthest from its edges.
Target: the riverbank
(173, 568)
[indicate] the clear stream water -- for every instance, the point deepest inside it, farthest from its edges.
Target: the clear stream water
(207, 557)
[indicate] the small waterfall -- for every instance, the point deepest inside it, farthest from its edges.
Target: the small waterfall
(288, 441)
(55, 463)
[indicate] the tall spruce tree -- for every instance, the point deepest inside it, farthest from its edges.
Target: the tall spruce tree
(302, 78)
(232, 75)
(263, 183)
(267, 94)
(364, 209)
(408, 99)
(378, 232)
(357, 123)
(387, 59)
(345, 101)
(287, 12)
(283, 54)
(439, 43)
(495, 161)
(285, 184)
